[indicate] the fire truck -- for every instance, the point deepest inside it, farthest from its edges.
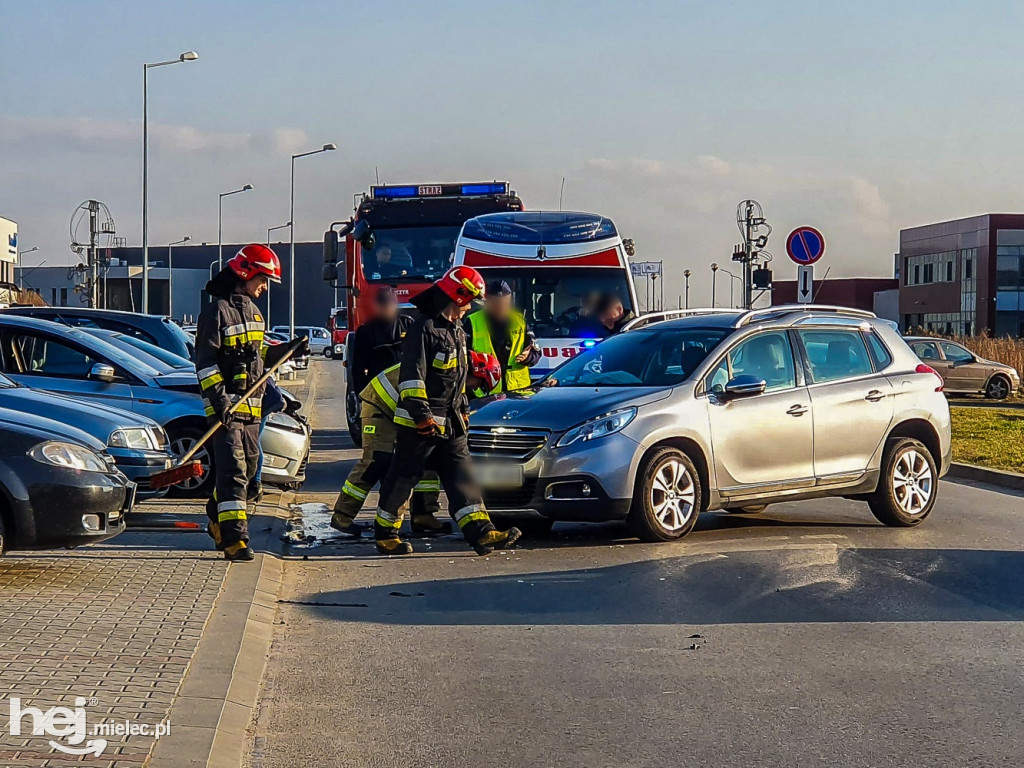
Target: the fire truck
(404, 236)
(558, 264)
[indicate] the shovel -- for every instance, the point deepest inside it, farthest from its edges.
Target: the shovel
(187, 468)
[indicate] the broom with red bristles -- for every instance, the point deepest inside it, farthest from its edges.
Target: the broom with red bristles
(187, 468)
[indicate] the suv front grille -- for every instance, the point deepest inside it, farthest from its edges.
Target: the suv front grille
(513, 498)
(519, 444)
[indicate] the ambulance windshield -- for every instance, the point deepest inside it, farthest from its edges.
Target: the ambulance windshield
(556, 301)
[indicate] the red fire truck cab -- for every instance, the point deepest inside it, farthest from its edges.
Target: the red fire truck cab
(404, 236)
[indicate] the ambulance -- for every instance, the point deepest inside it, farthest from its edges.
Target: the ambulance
(558, 264)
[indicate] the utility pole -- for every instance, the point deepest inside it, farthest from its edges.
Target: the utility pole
(755, 231)
(94, 274)
(686, 275)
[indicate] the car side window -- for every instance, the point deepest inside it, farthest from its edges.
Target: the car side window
(46, 357)
(955, 353)
(879, 352)
(833, 355)
(926, 350)
(767, 356)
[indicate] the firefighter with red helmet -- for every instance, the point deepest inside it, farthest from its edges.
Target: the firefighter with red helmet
(432, 416)
(229, 358)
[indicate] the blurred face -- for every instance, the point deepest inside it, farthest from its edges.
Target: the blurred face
(613, 313)
(386, 310)
(498, 307)
(255, 287)
(383, 254)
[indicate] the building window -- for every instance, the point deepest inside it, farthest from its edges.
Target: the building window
(949, 271)
(917, 274)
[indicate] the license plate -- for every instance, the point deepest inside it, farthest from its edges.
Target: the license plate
(494, 475)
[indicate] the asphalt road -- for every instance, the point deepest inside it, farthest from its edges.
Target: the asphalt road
(807, 635)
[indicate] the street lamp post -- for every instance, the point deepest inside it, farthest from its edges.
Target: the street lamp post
(271, 283)
(714, 274)
(33, 249)
(170, 273)
(186, 56)
(686, 276)
(291, 227)
(220, 221)
(732, 283)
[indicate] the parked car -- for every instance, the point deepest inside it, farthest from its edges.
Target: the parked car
(79, 364)
(297, 361)
(58, 486)
(138, 444)
(150, 354)
(962, 371)
(156, 329)
(319, 338)
(730, 410)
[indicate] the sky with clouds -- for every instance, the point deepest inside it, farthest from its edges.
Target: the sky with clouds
(858, 118)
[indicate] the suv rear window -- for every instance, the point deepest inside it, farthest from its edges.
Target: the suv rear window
(833, 355)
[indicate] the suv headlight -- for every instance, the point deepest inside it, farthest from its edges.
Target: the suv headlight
(160, 436)
(69, 455)
(137, 438)
(608, 424)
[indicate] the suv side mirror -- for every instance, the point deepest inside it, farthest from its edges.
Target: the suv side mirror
(744, 385)
(102, 372)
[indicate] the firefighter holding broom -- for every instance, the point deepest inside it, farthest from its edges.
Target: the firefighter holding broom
(229, 359)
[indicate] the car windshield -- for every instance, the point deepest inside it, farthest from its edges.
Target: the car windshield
(409, 253)
(179, 332)
(151, 354)
(117, 355)
(556, 301)
(644, 358)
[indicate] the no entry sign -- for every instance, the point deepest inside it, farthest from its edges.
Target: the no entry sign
(805, 245)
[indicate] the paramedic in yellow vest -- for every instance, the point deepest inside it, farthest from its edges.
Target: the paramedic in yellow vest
(501, 330)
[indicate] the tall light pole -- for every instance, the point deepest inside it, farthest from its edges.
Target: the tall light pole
(291, 223)
(732, 283)
(170, 273)
(270, 283)
(21, 279)
(714, 274)
(220, 221)
(186, 56)
(686, 276)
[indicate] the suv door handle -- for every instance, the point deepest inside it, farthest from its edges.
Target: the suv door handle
(874, 395)
(797, 410)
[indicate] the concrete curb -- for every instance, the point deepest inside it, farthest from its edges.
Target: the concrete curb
(216, 701)
(1003, 479)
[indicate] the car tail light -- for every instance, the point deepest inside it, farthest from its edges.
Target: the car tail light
(922, 368)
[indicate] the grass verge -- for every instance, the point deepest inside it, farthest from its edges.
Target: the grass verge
(988, 437)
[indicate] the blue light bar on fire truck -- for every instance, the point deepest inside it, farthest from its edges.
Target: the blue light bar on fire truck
(412, 191)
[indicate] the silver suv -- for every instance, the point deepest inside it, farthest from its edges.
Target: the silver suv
(702, 409)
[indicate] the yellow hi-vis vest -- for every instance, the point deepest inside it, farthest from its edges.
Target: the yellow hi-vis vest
(517, 376)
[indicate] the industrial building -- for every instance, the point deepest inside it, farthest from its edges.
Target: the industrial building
(874, 294)
(963, 276)
(177, 278)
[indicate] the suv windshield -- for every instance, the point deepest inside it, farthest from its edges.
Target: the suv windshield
(556, 300)
(409, 253)
(644, 358)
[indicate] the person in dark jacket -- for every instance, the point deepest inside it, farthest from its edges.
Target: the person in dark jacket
(377, 344)
(432, 418)
(501, 330)
(229, 358)
(611, 314)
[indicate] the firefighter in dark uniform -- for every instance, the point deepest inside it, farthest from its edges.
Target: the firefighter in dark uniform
(377, 346)
(379, 402)
(229, 358)
(432, 418)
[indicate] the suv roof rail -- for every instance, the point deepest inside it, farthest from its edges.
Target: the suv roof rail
(672, 314)
(785, 309)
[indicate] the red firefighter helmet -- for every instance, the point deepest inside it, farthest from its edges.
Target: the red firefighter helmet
(487, 368)
(255, 260)
(462, 284)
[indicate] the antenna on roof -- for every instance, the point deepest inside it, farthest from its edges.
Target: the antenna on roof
(814, 299)
(560, 192)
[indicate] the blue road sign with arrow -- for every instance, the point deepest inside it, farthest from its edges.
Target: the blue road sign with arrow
(805, 245)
